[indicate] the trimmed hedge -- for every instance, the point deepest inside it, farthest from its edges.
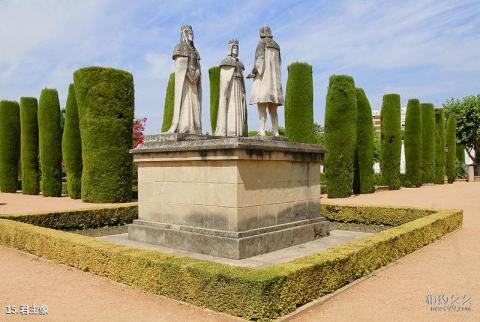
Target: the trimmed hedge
(214, 77)
(439, 175)
(9, 145)
(169, 101)
(29, 146)
(50, 143)
(299, 103)
(428, 142)
(80, 218)
(105, 98)
(257, 294)
(391, 141)
(413, 144)
(363, 165)
(72, 146)
(340, 135)
(451, 144)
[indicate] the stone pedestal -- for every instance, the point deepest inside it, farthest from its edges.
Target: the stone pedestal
(227, 197)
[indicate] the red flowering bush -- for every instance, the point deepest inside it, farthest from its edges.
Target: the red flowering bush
(138, 128)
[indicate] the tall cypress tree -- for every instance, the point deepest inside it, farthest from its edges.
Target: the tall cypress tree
(50, 143)
(391, 141)
(72, 146)
(299, 103)
(340, 135)
(214, 76)
(105, 98)
(451, 144)
(439, 146)
(363, 174)
(413, 144)
(169, 101)
(9, 145)
(29, 146)
(428, 142)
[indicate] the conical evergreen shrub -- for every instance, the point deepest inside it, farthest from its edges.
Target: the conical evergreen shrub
(439, 146)
(451, 144)
(72, 146)
(29, 146)
(105, 98)
(299, 103)
(50, 143)
(169, 101)
(340, 135)
(391, 141)
(363, 181)
(9, 145)
(214, 76)
(428, 142)
(413, 144)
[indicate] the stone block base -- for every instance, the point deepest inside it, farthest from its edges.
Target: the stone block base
(228, 244)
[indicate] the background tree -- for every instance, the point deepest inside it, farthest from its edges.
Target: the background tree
(9, 145)
(439, 146)
(413, 144)
(50, 143)
(467, 113)
(72, 146)
(214, 76)
(340, 135)
(29, 146)
(451, 144)
(105, 98)
(391, 141)
(299, 103)
(363, 165)
(169, 101)
(428, 142)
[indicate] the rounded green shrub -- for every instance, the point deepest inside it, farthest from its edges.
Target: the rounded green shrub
(428, 142)
(299, 103)
(214, 76)
(9, 145)
(50, 143)
(72, 146)
(413, 144)
(391, 141)
(105, 98)
(340, 135)
(451, 145)
(363, 175)
(29, 146)
(439, 174)
(169, 101)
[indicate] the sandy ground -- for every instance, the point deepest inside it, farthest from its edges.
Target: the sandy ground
(450, 266)
(16, 203)
(447, 267)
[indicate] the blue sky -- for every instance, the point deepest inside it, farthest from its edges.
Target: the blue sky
(428, 49)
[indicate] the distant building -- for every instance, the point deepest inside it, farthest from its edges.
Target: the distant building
(377, 119)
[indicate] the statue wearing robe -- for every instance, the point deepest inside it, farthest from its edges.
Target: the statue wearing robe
(232, 106)
(267, 90)
(188, 87)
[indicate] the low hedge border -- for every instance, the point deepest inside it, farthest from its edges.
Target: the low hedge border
(257, 294)
(80, 218)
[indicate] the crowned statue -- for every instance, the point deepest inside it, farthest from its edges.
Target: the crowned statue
(232, 106)
(267, 90)
(188, 86)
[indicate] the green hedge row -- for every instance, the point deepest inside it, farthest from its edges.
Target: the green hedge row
(413, 144)
(391, 141)
(80, 218)
(428, 142)
(451, 144)
(9, 145)
(257, 294)
(169, 101)
(214, 77)
(439, 174)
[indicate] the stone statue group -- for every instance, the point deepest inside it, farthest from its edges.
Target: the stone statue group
(267, 90)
